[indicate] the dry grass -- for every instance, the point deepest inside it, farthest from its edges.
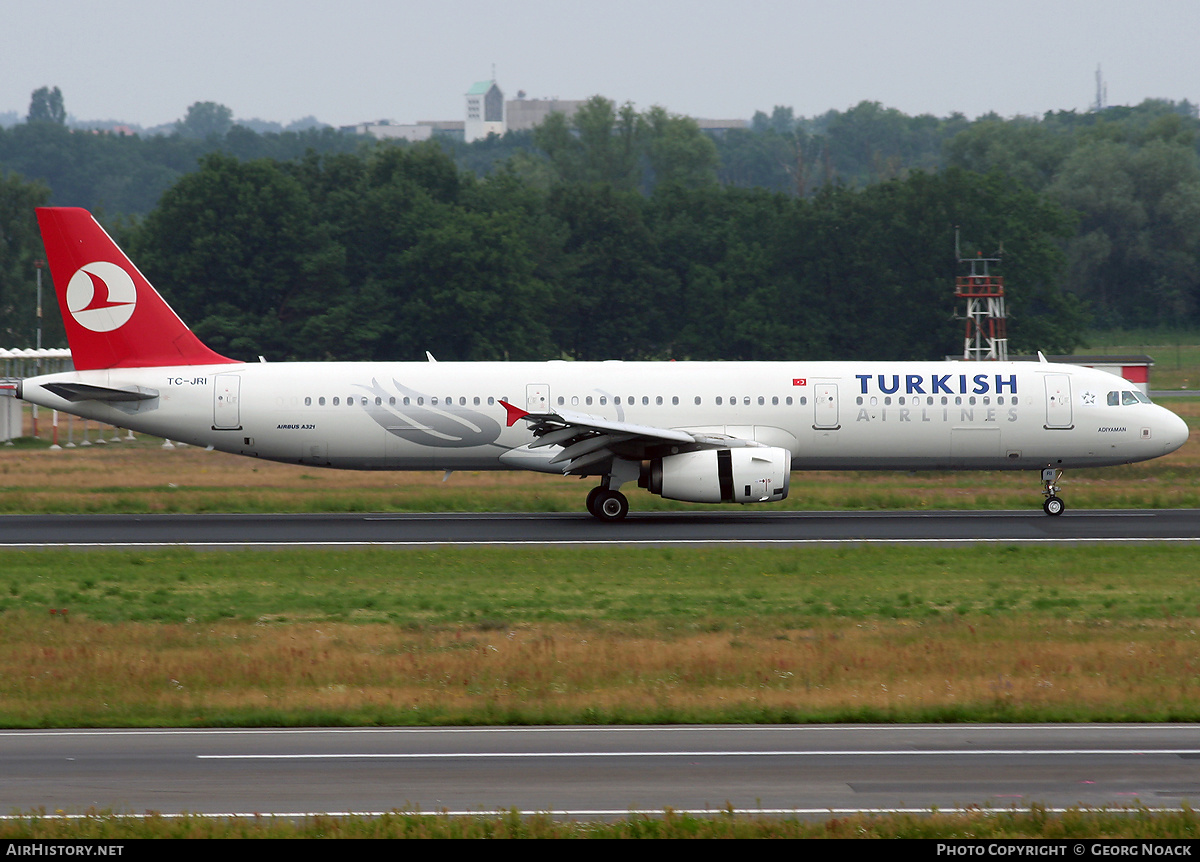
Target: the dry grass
(85, 673)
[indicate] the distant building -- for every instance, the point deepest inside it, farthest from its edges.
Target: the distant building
(523, 114)
(446, 128)
(387, 130)
(485, 111)
(717, 128)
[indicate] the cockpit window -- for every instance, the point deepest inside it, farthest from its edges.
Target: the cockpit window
(1128, 397)
(1143, 397)
(1114, 399)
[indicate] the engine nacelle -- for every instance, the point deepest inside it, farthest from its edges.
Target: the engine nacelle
(750, 475)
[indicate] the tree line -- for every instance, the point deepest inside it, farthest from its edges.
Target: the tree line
(626, 234)
(392, 252)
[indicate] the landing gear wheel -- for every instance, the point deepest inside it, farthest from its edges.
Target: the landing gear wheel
(590, 503)
(1054, 504)
(608, 505)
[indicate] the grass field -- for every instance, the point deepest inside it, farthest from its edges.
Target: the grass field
(1028, 823)
(567, 636)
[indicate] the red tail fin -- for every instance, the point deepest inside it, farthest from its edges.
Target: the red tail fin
(114, 318)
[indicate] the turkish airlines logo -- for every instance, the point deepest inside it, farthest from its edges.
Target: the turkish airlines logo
(101, 296)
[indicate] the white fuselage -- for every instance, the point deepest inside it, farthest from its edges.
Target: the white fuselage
(828, 415)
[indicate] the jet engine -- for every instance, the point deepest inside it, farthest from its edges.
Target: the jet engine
(750, 475)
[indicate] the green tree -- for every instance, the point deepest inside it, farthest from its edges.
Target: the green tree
(1136, 254)
(677, 152)
(46, 106)
(20, 248)
(205, 119)
(598, 145)
(236, 249)
(613, 292)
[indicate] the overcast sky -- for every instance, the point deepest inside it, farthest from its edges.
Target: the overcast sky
(354, 60)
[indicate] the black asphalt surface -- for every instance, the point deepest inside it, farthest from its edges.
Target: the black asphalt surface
(1175, 525)
(600, 771)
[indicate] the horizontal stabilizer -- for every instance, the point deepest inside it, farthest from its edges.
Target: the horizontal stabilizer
(87, 392)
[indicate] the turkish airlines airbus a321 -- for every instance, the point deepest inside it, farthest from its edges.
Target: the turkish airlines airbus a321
(705, 432)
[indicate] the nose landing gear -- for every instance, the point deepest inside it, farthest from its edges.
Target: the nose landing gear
(1053, 504)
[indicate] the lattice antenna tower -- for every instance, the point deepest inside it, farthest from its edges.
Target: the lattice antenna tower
(986, 335)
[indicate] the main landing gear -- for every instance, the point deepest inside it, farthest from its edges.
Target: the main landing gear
(606, 504)
(1054, 504)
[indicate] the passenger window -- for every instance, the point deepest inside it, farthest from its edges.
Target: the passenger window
(658, 399)
(308, 401)
(335, 401)
(674, 399)
(775, 400)
(718, 400)
(588, 401)
(321, 401)
(697, 400)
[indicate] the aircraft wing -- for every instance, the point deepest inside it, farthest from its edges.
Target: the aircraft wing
(587, 439)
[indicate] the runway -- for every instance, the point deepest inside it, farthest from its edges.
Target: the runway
(655, 528)
(601, 771)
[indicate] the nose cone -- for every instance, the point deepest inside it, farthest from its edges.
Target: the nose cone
(1174, 432)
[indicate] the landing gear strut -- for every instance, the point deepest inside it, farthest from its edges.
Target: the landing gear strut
(606, 504)
(1054, 504)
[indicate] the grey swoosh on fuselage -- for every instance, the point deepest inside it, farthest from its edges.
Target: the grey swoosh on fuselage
(447, 426)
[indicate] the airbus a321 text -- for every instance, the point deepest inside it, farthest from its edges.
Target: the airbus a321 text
(705, 432)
